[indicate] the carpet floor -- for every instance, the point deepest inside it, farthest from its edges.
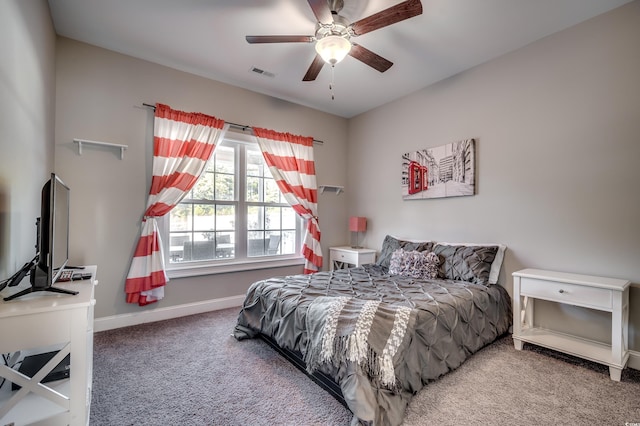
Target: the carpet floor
(191, 371)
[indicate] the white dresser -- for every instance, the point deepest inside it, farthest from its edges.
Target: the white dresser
(41, 322)
(598, 293)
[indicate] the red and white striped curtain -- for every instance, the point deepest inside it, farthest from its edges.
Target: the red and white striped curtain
(290, 160)
(182, 144)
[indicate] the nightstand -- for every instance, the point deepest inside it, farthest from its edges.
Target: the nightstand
(598, 293)
(348, 257)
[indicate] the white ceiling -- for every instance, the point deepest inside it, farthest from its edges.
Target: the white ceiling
(207, 38)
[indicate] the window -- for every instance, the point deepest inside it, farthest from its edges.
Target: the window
(234, 215)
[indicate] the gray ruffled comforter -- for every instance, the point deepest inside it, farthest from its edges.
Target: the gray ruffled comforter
(453, 319)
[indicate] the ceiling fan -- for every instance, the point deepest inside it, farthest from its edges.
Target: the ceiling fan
(334, 33)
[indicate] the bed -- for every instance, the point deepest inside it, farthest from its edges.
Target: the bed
(377, 334)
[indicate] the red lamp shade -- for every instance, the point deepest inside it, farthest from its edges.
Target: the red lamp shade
(357, 224)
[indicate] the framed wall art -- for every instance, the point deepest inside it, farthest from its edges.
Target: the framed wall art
(443, 171)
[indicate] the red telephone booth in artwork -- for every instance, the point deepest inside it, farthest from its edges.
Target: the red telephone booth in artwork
(415, 177)
(425, 178)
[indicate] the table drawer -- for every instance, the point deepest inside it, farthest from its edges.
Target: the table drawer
(344, 256)
(567, 293)
(367, 258)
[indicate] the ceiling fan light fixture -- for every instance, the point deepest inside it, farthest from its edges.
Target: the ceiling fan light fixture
(333, 48)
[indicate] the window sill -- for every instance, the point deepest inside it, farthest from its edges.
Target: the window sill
(194, 270)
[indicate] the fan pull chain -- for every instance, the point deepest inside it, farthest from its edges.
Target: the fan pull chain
(331, 84)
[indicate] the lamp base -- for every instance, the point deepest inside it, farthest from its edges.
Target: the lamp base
(357, 240)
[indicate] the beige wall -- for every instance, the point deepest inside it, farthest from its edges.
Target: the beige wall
(557, 125)
(27, 96)
(99, 97)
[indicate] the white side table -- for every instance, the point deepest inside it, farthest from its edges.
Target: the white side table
(348, 257)
(599, 293)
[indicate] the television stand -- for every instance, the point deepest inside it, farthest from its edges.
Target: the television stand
(34, 289)
(35, 325)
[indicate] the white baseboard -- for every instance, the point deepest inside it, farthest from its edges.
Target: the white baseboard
(125, 320)
(634, 360)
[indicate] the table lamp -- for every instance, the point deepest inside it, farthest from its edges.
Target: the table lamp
(357, 224)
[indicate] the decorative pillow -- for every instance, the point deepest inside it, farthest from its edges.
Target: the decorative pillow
(396, 264)
(465, 263)
(496, 265)
(430, 267)
(391, 244)
(414, 263)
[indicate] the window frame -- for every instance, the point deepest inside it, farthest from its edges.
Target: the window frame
(220, 266)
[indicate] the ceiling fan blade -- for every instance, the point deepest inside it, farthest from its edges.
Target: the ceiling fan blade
(368, 57)
(405, 10)
(314, 69)
(280, 39)
(321, 11)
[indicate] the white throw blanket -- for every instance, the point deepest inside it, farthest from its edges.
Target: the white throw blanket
(366, 332)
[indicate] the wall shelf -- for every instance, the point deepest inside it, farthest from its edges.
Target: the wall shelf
(88, 142)
(331, 188)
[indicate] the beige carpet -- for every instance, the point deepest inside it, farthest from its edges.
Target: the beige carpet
(190, 371)
(535, 386)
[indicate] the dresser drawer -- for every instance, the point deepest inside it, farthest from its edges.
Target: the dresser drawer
(567, 293)
(344, 256)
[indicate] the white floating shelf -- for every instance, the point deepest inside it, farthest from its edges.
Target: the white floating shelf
(331, 188)
(88, 142)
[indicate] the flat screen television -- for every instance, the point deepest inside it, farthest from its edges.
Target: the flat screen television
(52, 240)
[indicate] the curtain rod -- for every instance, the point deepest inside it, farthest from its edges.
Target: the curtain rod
(239, 126)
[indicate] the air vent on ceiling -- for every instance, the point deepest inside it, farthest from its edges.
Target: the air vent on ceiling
(262, 72)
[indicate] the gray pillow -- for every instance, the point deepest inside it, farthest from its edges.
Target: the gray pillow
(391, 244)
(465, 263)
